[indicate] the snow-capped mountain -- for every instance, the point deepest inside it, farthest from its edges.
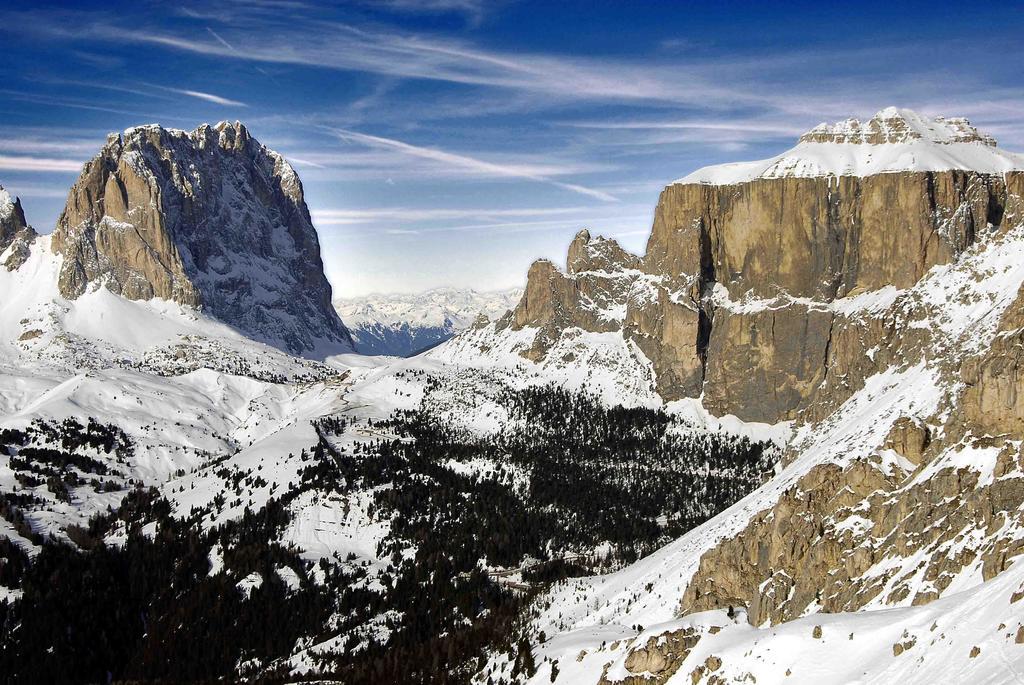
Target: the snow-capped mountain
(894, 140)
(749, 282)
(865, 289)
(401, 324)
(211, 219)
(782, 446)
(110, 321)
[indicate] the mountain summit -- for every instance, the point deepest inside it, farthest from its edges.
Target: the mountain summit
(894, 125)
(16, 236)
(893, 140)
(211, 219)
(753, 271)
(783, 445)
(865, 291)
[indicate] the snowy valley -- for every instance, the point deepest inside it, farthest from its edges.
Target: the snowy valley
(782, 446)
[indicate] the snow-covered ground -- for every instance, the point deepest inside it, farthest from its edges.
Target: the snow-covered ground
(973, 636)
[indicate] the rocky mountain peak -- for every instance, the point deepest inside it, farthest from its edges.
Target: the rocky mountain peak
(208, 218)
(895, 125)
(588, 253)
(742, 298)
(10, 210)
(16, 235)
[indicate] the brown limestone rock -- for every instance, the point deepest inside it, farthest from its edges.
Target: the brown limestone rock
(740, 295)
(994, 398)
(598, 254)
(658, 659)
(16, 236)
(909, 438)
(764, 366)
(591, 296)
(669, 332)
(820, 237)
(209, 219)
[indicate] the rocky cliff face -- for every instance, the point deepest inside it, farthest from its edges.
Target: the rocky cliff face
(16, 236)
(751, 269)
(868, 285)
(926, 493)
(770, 258)
(591, 295)
(209, 219)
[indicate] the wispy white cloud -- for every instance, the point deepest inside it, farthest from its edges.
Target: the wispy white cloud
(148, 90)
(36, 190)
(470, 6)
(625, 220)
(369, 216)
(738, 126)
(806, 86)
(74, 103)
(300, 161)
(705, 83)
(220, 40)
(34, 145)
(209, 97)
(473, 9)
(479, 166)
(364, 163)
(20, 163)
(335, 45)
(636, 217)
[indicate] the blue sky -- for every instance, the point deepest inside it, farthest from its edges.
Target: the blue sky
(451, 142)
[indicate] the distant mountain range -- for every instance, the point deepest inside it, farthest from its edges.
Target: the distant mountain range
(404, 324)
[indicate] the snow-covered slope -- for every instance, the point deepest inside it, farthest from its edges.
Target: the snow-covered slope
(182, 386)
(898, 507)
(873, 555)
(40, 328)
(894, 140)
(401, 324)
(971, 637)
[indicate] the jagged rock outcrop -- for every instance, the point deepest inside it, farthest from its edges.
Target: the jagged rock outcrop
(16, 236)
(867, 284)
(209, 218)
(655, 661)
(742, 292)
(591, 295)
(841, 539)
